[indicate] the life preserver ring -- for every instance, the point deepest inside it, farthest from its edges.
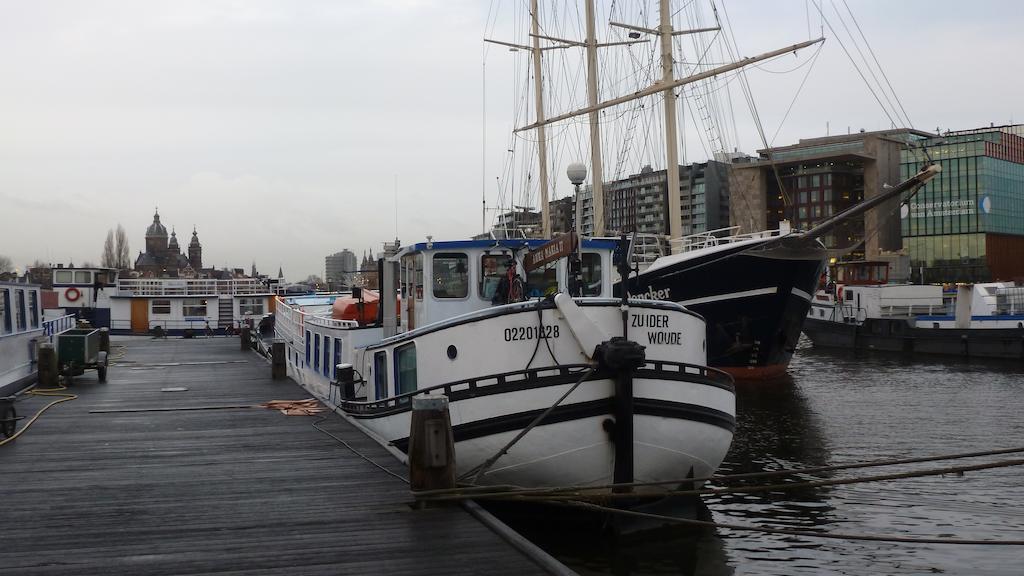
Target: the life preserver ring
(72, 294)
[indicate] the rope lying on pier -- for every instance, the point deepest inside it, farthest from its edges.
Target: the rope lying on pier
(307, 407)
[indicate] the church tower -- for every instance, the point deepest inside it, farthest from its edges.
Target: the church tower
(156, 238)
(195, 252)
(172, 247)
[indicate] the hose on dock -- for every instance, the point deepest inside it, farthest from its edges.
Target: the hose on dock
(41, 392)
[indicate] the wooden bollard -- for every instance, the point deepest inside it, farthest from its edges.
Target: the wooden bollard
(244, 339)
(105, 340)
(47, 371)
(278, 369)
(431, 445)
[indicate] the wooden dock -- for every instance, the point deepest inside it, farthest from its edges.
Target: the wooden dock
(127, 480)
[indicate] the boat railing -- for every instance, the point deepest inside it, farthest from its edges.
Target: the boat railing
(719, 237)
(331, 322)
(189, 287)
(533, 377)
(55, 326)
(913, 310)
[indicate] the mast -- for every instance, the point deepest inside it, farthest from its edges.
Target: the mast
(542, 145)
(597, 171)
(675, 213)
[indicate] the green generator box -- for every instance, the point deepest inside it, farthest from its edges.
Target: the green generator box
(80, 346)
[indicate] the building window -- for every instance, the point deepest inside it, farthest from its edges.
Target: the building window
(33, 309)
(62, 277)
(5, 311)
(827, 194)
(492, 269)
(160, 307)
(380, 374)
(814, 195)
(450, 275)
(803, 212)
(250, 306)
(803, 197)
(405, 369)
(193, 307)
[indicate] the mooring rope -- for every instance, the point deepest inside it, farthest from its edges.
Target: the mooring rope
(793, 531)
(552, 494)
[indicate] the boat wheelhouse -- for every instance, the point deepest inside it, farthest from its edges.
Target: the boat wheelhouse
(455, 330)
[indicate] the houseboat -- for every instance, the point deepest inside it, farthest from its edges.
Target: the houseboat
(504, 348)
(22, 329)
(863, 311)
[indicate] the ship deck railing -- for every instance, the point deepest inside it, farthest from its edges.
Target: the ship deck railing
(718, 237)
(190, 287)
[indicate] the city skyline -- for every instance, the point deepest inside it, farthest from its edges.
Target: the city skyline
(281, 137)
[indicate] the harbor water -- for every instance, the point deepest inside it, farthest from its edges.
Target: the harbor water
(838, 408)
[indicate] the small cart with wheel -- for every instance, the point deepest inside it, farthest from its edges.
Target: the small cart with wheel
(79, 350)
(8, 416)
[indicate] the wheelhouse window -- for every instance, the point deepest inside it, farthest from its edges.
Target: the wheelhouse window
(62, 277)
(380, 374)
(450, 275)
(33, 309)
(591, 274)
(193, 307)
(161, 307)
(5, 311)
(405, 369)
(83, 277)
(250, 306)
(19, 310)
(492, 270)
(542, 281)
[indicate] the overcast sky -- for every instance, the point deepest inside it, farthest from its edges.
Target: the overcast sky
(280, 129)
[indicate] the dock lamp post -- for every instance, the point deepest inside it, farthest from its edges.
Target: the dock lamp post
(577, 173)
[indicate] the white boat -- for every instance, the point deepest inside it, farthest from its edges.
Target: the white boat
(22, 329)
(863, 311)
(501, 366)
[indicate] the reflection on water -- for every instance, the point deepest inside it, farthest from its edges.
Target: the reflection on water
(836, 409)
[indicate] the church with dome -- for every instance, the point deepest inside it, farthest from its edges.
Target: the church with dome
(163, 257)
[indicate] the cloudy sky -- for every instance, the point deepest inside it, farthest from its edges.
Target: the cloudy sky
(285, 131)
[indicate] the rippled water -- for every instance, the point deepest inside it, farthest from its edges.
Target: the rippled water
(835, 409)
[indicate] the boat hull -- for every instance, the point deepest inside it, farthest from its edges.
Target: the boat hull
(897, 335)
(682, 427)
(753, 298)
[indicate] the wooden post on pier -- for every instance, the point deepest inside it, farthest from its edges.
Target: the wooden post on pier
(431, 445)
(105, 340)
(244, 338)
(47, 366)
(278, 370)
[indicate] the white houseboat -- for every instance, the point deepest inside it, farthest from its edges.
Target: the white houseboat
(455, 331)
(22, 328)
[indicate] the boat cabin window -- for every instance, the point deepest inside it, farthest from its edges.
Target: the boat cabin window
(161, 307)
(33, 309)
(316, 352)
(492, 269)
(5, 311)
(309, 341)
(19, 309)
(542, 281)
(380, 374)
(83, 277)
(63, 277)
(337, 357)
(250, 306)
(405, 369)
(450, 275)
(327, 356)
(591, 274)
(193, 307)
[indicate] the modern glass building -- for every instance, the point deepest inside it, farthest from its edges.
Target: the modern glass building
(967, 224)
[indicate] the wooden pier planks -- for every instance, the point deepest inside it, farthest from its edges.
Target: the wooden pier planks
(228, 491)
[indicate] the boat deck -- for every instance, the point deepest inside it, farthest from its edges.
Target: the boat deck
(123, 481)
